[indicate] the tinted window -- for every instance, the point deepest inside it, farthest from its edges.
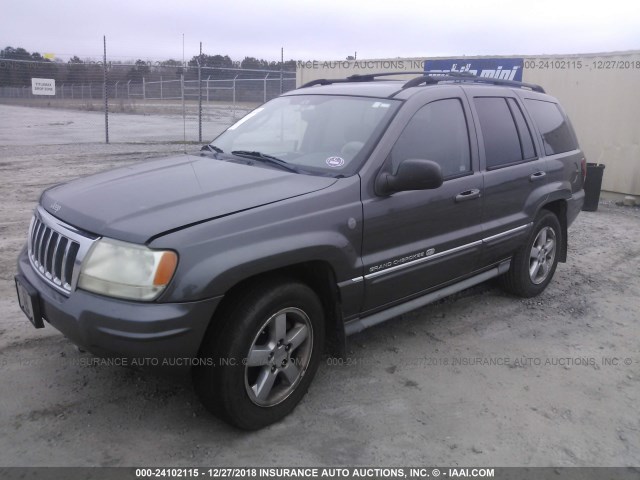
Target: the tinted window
(526, 142)
(501, 140)
(438, 132)
(556, 132)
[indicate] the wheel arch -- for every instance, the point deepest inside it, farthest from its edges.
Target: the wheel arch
(317, 275)
(559, 208)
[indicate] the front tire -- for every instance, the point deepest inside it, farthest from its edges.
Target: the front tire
(534, 264)
(266, 351)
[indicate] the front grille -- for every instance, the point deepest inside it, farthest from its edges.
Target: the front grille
(55, 250)
(53, 254)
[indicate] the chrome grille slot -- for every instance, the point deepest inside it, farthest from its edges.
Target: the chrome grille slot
(56, 250)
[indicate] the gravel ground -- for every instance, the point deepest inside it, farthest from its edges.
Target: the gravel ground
(20, 125)
(481, 378)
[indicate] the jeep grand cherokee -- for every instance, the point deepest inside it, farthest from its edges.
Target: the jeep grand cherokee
(325, 211)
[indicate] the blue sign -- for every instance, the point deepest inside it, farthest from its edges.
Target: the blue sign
(506, 68)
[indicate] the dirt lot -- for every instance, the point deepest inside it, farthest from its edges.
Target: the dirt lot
(155, 121)
(479, 379)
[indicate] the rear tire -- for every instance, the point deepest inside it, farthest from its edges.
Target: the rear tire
(534, 264)
(265, 353)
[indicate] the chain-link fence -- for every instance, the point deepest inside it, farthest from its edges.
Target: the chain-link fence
(144, 101)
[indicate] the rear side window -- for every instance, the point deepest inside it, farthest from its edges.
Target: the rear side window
(438, 132)
(556, 132)
(507, 139)
(526, 141)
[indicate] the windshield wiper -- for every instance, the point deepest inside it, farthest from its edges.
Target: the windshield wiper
(211, 148)
(263, 157)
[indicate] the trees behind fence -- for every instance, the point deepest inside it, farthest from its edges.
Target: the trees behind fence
(143, 80)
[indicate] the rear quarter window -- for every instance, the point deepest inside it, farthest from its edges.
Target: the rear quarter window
(557, 134)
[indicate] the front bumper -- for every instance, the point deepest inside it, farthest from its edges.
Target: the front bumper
(154, 334)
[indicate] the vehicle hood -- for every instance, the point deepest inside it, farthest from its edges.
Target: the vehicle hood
(141, 201)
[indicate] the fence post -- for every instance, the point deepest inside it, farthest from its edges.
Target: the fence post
(116, 87)
(184, 114)
(105, 93)
(161, 97)
(281, 67)
(234, 97)
(62, 91)
(199, 103)
(144, 89)
(72, 91)
(265, 88)
(208, 78)
(128, 94)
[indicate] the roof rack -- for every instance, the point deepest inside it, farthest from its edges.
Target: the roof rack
(431, 79)
(428, 78)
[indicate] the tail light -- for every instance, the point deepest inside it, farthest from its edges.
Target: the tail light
(583, 165)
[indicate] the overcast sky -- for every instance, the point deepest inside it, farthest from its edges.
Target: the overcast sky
(322, 30)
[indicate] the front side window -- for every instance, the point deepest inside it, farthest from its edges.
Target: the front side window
(437, 132)
(318, 134)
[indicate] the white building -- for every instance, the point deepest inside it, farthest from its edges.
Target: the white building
(600, 91)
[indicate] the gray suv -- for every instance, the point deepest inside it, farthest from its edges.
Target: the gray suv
(327, 210)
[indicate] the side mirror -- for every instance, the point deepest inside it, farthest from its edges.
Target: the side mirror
(412, 174)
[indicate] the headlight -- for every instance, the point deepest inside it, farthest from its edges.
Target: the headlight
(126, 270)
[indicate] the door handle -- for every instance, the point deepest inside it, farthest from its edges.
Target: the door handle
(537, 176)
(468, 195)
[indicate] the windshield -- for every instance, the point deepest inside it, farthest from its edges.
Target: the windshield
(317, 134)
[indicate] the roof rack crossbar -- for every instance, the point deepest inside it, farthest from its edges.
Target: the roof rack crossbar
(366, 77)
(323, 81)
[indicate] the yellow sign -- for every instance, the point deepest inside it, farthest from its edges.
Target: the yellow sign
(49, 56)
